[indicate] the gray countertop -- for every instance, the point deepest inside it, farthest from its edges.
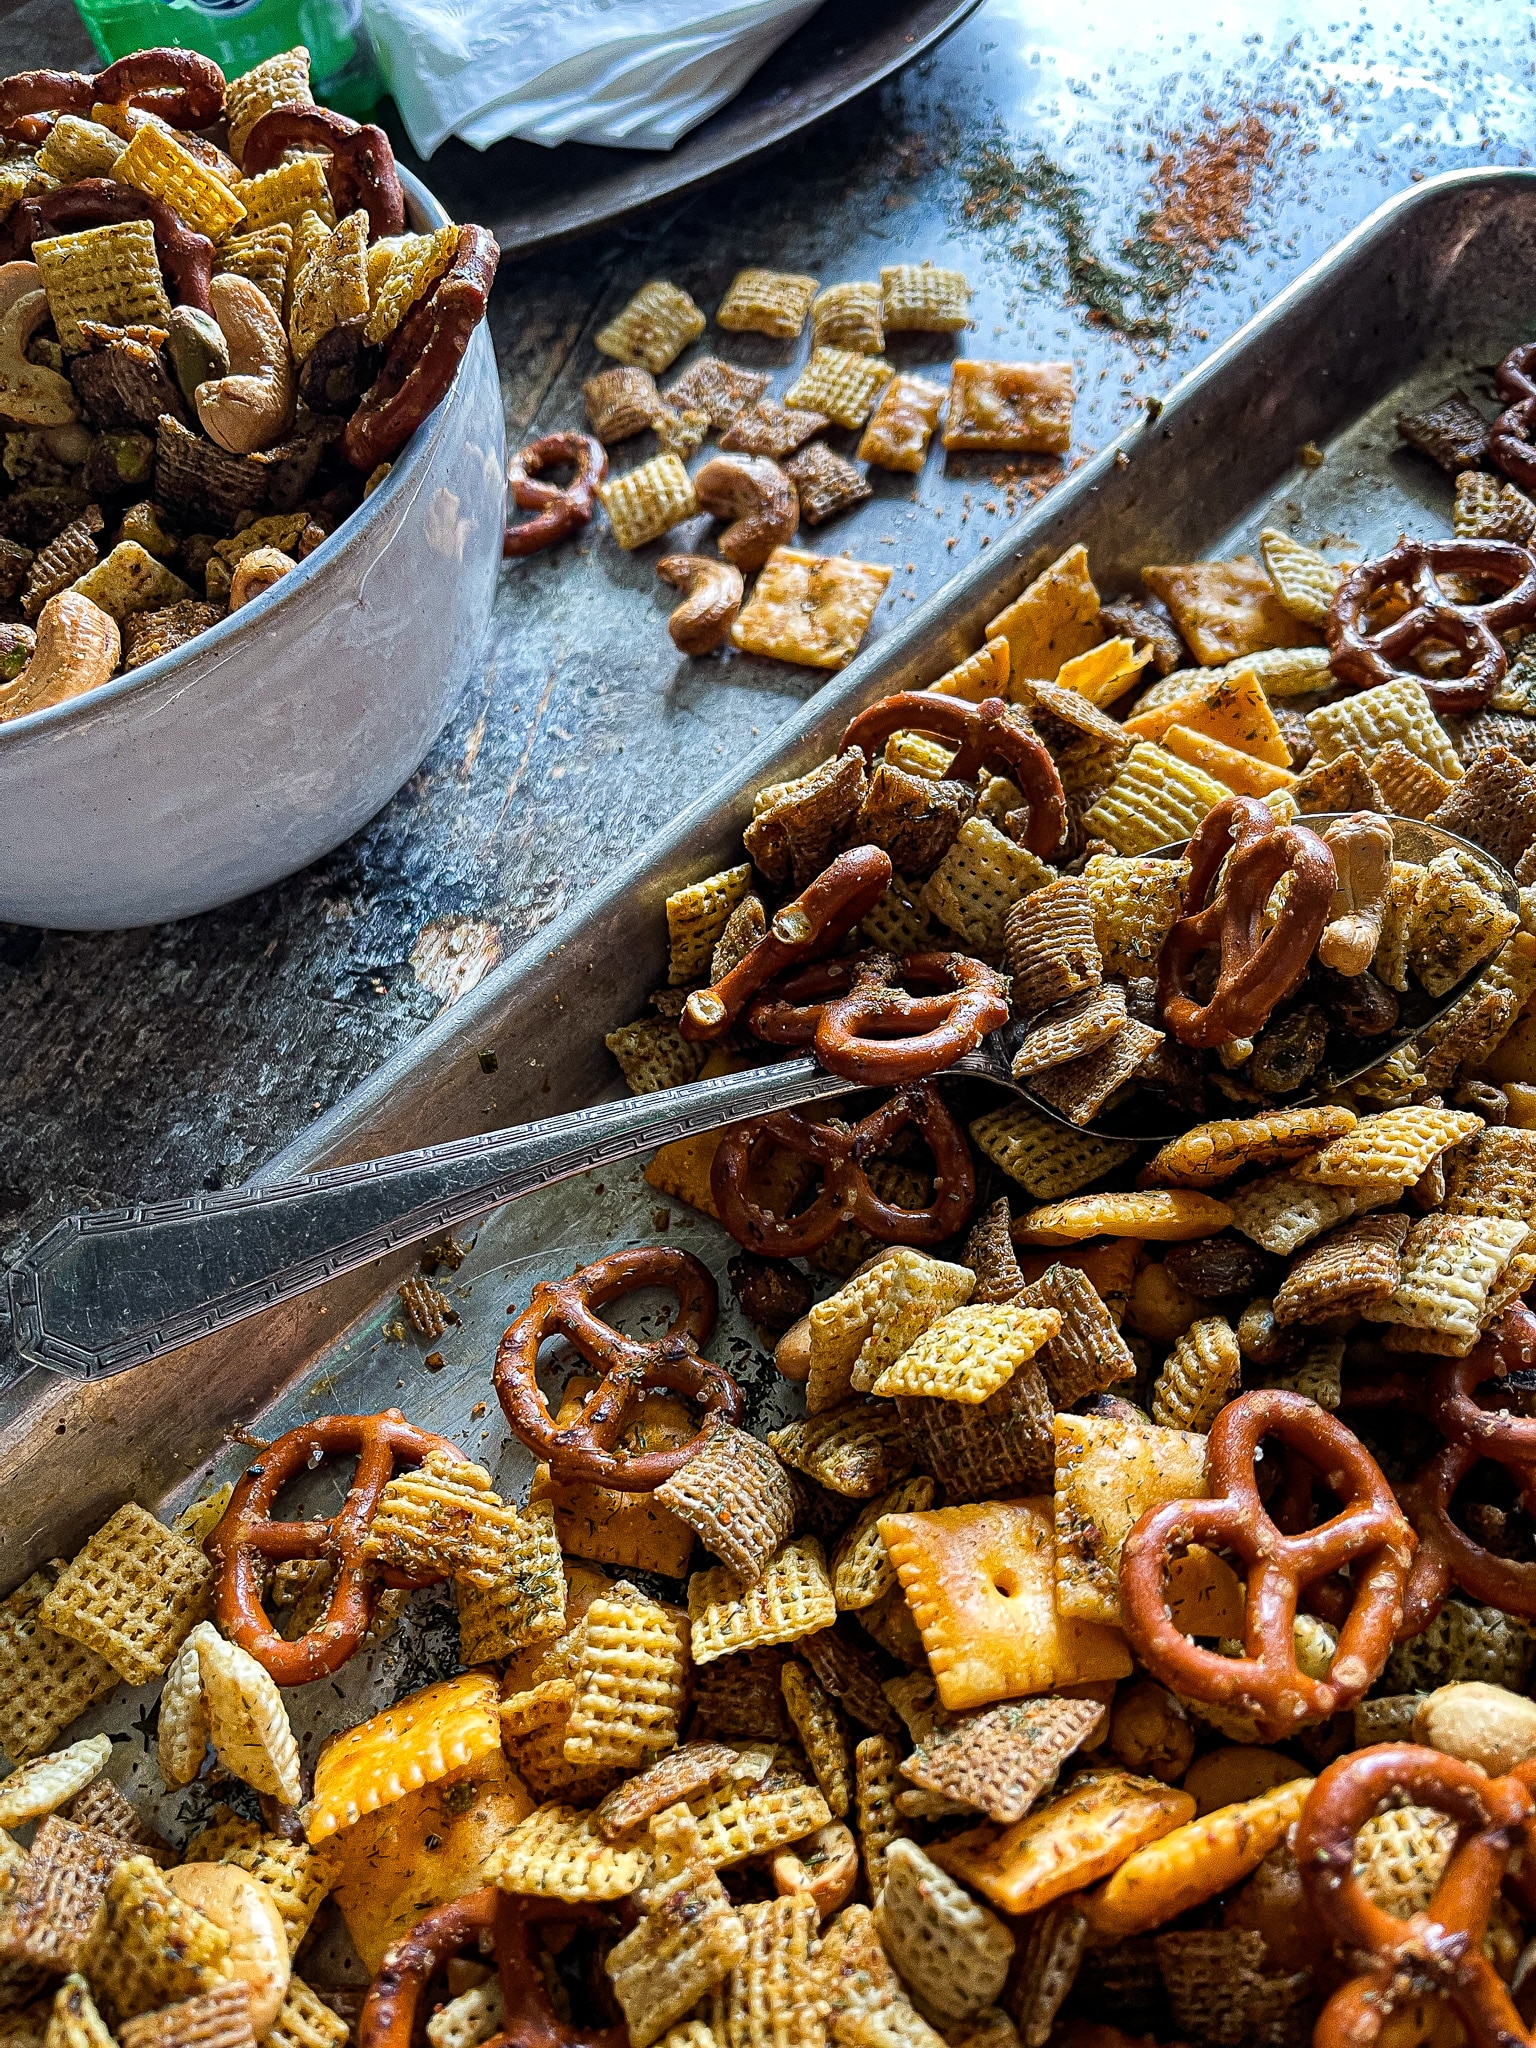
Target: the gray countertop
(1122, 191)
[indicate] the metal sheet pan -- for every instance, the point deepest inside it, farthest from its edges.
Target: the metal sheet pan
(1429, 292)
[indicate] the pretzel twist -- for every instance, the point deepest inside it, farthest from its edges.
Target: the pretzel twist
(179, 86)
(1447, 1555)
(561, 509)
(866, 1027)
(989, 735)
(626, 1368)
(818, 919)
(392, 2009)
(1360, 657)
(1369, 1534)
(185, 256)
(424, 354)
(1509, 440)
(844, 1152)
(1259, 968)
(361, 170)
(1441, 1948)
(247, 1537)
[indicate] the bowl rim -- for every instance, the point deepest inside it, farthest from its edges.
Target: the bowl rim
(425, 212)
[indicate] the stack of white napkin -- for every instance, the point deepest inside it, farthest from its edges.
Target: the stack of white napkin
(635, 74)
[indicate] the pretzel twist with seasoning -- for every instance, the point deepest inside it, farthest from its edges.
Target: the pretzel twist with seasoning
(989, 735)
(1369, 1534)
(179, 86)
(844, 1153)
(185, 256)
(392, 2009)
(1360, 657)
(247, 1537)
(866, 1027)
(1509, 439)
(588, 1449)
(818, 919)
(1259, 968)
(1439, 1949)
(561, 509)
(424, 354)
(361, 171)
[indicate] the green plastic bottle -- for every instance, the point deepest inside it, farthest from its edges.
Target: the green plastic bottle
(239, 33)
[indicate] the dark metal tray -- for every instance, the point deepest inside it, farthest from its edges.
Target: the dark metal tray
(1426, 294)
(531, 197)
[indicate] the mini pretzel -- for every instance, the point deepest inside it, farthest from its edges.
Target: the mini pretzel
(247, 1538)
(1369, 1533)
(561, 510)
(361, 171)
(989, 735)
(1441, 1948)
(626, 1367)
(1360, 657)
(390, 2014)
(818, 919)
(424, 353)
(185, 256)
(1509, 440)
(844, 1152)
(177, 86)
(31, 100)
(1259, 968)
(866, 1027)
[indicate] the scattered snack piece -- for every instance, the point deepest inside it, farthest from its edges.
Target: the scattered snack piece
(645, 502)
(768, 428)
(825, 483)
(737, 1497)
(922, 298)
(812, 609)
(1022, 406)
(773, 302)
(848, 316)
(900, 428)
(688, 1937)
(559, 1852)
(630, 1681)
(792, 1598)
(653, 329)
(841, 384)
(822, 1736)
(718, 389)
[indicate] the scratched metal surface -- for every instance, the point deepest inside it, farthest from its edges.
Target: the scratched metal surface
(146, 1064)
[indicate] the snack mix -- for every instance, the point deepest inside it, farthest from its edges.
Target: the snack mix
(216, 334)
(1132, 1639)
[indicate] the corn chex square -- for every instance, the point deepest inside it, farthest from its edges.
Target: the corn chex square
(969, 1353)
(653, 329)
(330, 286)
(1449, 1267)
(46, 1680)
(148, 1948)
(1396, 1146)
(634, 1659)
(861, 1571)
(414, 267)
(305, 2021)
(286, 194)
(217, 2018)
(526, 1602)
(923, 298)
(647, 500)
(156, 163)
(793, 1598)
(1399, 710)
(278, 81)
(696, 916)
(856, 1450)
(687, 1939)
(1456, 921)
(771, 302)
(1304, 580)
(1154, 799)
(1198, 1376)
(1282, 1213)
(979, 880)
(75, 148)
(108, 274)
(822, 1736)
(811, 609)
(559, 1852)
(773, 1996)
(750, 1816)
(1134, 903)
(1045, 1159)
(841, 384)
(913, 1290)
(132, 1594)
(1493, 1174)
(737, 1498)
(442, 1519)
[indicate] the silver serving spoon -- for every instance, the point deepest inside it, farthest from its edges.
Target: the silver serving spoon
(105, 1291)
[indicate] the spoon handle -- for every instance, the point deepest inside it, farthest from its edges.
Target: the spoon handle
(106, 1291)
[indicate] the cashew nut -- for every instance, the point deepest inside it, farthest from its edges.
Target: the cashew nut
(16, 280)
(1362, 853)
(1481, 1724)
(77, 650)
(757, 497)
(714, 590)
(253, 406)
(826, 1865)
(30, 393)
(256, 572)
(247, 1912)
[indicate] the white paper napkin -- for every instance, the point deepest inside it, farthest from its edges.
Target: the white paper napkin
(634, 74)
